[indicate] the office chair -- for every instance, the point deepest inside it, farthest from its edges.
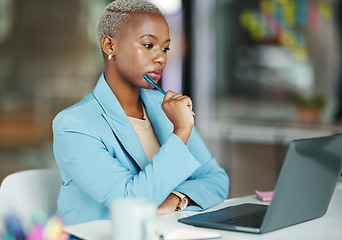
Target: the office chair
(26, 192)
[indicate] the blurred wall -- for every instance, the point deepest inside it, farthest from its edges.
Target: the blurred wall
(49, 60)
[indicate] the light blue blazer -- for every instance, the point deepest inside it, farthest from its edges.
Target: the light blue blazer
(101, 159)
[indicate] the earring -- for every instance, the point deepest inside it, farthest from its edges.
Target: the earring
(110, 57)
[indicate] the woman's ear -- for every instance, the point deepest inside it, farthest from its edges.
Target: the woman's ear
(108, 46)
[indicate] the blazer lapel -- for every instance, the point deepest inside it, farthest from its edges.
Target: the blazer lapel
(161, 124)
(119, 123)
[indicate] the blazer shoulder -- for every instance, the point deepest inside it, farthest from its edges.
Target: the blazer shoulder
(85, 108)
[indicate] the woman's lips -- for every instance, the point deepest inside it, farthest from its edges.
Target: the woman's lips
(154, 75)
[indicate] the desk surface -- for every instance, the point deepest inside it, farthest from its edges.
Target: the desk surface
(327, 227)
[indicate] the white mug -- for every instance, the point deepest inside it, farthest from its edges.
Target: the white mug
(133, 219)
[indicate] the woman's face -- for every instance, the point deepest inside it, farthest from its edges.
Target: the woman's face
(142, 49)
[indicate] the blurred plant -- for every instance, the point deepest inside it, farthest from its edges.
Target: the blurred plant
(315, 102)
(309, 109)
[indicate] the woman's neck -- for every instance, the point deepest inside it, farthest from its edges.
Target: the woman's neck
(127, 95)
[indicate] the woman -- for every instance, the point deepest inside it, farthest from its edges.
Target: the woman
(127, 140)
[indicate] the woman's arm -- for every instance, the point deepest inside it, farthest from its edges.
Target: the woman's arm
(83, 158)
(209, 184)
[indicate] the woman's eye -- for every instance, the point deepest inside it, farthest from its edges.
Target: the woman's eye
(166, 49)
(148, 45)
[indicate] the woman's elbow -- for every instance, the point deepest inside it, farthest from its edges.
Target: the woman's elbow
(224, 185)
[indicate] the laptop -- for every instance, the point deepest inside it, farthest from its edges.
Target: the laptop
(303, 191)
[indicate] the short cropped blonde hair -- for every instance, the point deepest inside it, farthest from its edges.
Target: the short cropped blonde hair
(116, 13)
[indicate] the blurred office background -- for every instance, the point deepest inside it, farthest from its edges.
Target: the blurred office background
(248, 65)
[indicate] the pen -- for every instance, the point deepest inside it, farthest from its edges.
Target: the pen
(157, 87)
(14, 227)
(154, 85)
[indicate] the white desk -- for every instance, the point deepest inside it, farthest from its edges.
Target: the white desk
(328, 227)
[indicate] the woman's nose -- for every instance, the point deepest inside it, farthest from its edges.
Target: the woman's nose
(160, 57)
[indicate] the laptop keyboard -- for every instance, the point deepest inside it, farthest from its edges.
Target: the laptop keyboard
(252, 220)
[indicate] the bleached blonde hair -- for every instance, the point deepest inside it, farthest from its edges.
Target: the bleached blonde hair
(117, 12)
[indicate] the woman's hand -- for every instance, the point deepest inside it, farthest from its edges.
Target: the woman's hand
(169, 205)
(178, 109)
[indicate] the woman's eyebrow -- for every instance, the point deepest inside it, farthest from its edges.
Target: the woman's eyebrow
(152, 36)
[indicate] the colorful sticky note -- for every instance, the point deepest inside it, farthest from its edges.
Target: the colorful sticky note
(264, 196)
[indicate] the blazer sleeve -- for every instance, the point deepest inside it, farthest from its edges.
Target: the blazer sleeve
(209, 184)
(85, 161)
